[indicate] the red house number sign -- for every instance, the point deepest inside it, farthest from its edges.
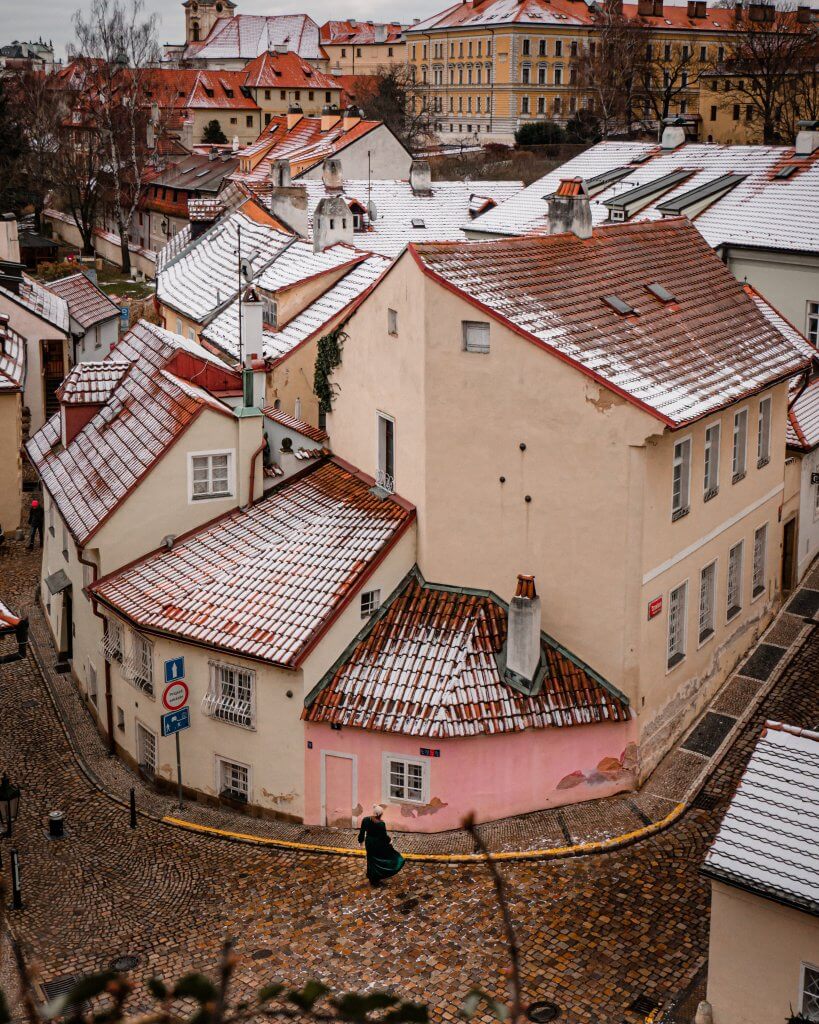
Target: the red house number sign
(655, 607)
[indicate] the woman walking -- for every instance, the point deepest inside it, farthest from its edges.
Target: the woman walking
(383, 860)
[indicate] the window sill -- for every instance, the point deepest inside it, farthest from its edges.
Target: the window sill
(735, 479)
(680, 513)
(761, 463)
(210, 497)
(673, 662)
(733, 612)
(705, 636)
(710, 494)
(757, 593)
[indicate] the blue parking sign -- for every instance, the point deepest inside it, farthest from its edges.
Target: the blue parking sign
(176, 721)
(174, 670)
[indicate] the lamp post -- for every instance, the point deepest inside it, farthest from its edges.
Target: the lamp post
(9, 803)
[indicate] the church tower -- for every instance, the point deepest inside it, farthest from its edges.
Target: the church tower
(201, 16)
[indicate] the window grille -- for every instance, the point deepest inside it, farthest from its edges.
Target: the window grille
(681, 478)
(211, 476)
(708, 579)
(146, 750)
(234, 781)
(810, 992)
(406, 780)
(676, 625)
(230, 696)
(711, 477)
(138, 666)
(111, 645)
(760, 551)
(763, 439)
(734, 596)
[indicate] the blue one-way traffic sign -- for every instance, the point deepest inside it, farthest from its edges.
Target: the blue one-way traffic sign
(176, 721)
(174, 669)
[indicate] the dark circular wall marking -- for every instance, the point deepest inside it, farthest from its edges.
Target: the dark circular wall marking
(127, 962)
(543, 1012)
(261, 954)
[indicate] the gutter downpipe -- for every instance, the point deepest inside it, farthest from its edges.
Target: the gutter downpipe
(251, 488)
(109, 697)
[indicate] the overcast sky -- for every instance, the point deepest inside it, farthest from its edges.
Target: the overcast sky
(51, 19)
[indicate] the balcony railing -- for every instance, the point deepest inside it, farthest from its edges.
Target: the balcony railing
(134, 670)
(229, 709)
(110, 649)
(384, 481)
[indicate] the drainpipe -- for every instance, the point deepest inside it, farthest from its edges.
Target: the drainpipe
(109, 697)
(251, 488)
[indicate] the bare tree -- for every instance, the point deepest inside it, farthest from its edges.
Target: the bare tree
(395, 98)
(608, 68)
(117, 46)
(667, 73)
(40, 114)
(770, 49)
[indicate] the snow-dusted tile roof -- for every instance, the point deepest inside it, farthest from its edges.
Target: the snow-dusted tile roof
(803, 419)
(768, 841)
(428, 665)
(223, 331)
(298, 426)
(12, 359)
(245, 36)
(40, 301)
(299, 262)
(264, 581)
(403, 215)
(87, 304)
(762, 210)
(680, 359)
(92, 383)
(142, 416)
(150, 344)
(204, 274)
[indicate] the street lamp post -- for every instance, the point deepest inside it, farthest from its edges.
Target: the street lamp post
(9, 803)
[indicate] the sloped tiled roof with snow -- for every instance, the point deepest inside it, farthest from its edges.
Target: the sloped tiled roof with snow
(152, 345)
(681, 359)
(403, 215)
(768, 841)
(803, 420)
(296, 425)
(360, 33)
(40, 301)
(223, 331)
(264, 582)
(428, 665)
(245, 36)
(12, 359)
(285, 71)
(90, 383)
(762, 210)
(87, 304)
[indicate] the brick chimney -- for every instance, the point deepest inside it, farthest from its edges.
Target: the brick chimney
(523, 632)
(9, 242)
(352, 115)
(569, 209)
(420, 177)
(645, 8)
(332, 223)
(332, 174)
(329, 116)
(294, 115)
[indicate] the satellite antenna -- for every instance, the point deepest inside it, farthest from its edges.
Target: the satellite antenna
(372, 210)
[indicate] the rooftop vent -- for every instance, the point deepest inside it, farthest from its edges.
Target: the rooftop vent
(807, 138)
(418, 222)
(786, 171)
(617, 304)
(673, 133)
(523, 636)
(661, 292)
(569, 209)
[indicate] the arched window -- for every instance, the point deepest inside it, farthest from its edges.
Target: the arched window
(195, 31)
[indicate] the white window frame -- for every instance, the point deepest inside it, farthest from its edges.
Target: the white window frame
(760, 565)
(739, 445)
(812, 321)
(384, 479)
(763, 433)
(711, 459)
(370, 602)
(231, 466)
(681, 505)
(386, 786)
(804, 968)
(219, 761)
(472, 344)
(120, 718)
(677, 655)
(92, 685)
(733, 609)
(392, 322)
(704, 635)
(140, 727)
(230, 708)
(139, 667)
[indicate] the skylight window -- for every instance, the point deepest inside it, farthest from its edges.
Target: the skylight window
(418, 222)
(661, 292)
(786, 171)
(618, 305)
(640, 158)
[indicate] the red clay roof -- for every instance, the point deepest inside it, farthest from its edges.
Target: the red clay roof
(86, 303)
(359, 33)
(296, 425)
(188, 89)
(264, 582)
(429, 666)
(90, 383)
(12, 358)
(678, 360)
(285, 71)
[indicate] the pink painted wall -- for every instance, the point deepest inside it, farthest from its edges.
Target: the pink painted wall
(492, 776)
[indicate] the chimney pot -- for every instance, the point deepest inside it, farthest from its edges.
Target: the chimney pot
(807, 138)
(673, 133)
(523, 646)
(569, 209)
(420, 177)
(331, 173)
(332, 223)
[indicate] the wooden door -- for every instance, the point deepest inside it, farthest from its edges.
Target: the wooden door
(53, 374)
(338, 789)
(789, 554)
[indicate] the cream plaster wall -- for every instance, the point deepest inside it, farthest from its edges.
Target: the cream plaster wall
(757, 949)
(11, 440)
(388, 158)
(808, 527)
(246, 133)
(789, 281)
(291, 380)
(36, 332)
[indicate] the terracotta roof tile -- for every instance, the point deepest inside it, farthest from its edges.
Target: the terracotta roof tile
(12, 358)
(90, 383)
(298, 426)
(265, 581)
(428, 665)
(286, 71)
(40, 301)
(87, 304)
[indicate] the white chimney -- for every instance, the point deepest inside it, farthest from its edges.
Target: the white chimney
(186, 135)
(569, 209)
(280, 173)
(807, 138)
(9, 242)
(235, 146)
(257, 364)
(332, 223)
(288, 203)
(251, 322)
(523, 632)
(420, 177)
(331, 173)
(673, 133)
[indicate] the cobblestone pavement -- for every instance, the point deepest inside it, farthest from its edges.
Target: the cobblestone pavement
(596, 932)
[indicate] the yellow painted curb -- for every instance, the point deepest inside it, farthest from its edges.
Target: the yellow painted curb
(577, 850)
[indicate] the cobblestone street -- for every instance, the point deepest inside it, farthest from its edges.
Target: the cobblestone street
(596, 932)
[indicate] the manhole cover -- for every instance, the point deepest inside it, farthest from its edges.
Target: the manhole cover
(543, 1011)
(643, 1005)
(124, 963)
(261, 954)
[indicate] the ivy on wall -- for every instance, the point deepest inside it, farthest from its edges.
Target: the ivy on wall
(328, 357)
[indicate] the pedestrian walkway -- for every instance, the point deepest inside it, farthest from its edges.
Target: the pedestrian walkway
(591, 827)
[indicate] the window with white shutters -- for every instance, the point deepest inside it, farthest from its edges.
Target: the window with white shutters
(734, 592)
(681, 479)
(405, 779)
(760, 552)
(711, 475)
(740, 443)
(763, 441)
(676, 625)
(708, 580)
(475, 336)
(231, 695)
(210, 476)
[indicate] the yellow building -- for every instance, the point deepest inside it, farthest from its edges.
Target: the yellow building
(362, 47)
(486, 72)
